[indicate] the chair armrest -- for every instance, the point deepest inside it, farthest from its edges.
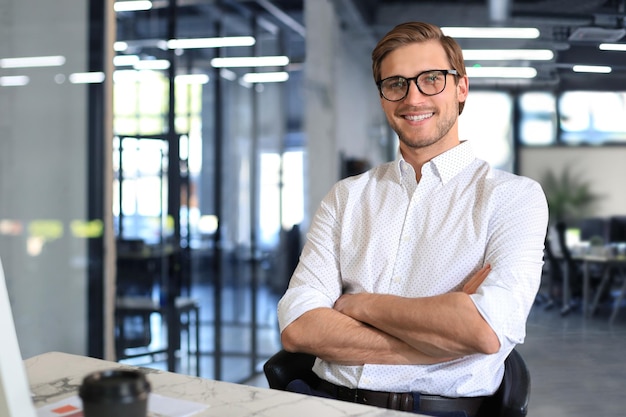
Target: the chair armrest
(284, 367)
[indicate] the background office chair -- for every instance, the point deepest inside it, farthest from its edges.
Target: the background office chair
(510, 400)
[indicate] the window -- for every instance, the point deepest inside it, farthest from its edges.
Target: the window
(538, 118)
(592, 117)
(278, 209)
(486, 122)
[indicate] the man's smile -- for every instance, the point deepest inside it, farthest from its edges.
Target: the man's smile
(417, 117)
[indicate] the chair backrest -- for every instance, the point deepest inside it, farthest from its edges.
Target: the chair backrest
(512, 397)
(510, 400)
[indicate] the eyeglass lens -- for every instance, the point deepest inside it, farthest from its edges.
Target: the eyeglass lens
(429, 83)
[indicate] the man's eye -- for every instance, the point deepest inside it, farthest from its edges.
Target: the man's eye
(397, 84)
(431, 78)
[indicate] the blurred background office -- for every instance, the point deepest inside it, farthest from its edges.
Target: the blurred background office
(163, 158)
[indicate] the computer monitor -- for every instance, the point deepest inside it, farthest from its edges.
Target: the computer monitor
(593, 228)
(617, 229)
(15, 399)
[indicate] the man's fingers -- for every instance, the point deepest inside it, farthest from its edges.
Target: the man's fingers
(472, 285)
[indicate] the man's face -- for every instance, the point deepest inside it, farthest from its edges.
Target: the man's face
(423, 121)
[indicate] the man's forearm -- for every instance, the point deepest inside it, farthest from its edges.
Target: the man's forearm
(447, 325)
(335, 337)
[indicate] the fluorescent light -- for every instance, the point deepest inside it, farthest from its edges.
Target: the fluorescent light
(86, 77)
(132, 6)
(152, 64)
(265, 77)
(125, 60)
(491, 32)
(501, 72)
(196, 43)
(597, 69)
(14, 81)
(192, 79)
(33, 61)
(613, 46)
(507, 54)
(120, 46)
(251, 61)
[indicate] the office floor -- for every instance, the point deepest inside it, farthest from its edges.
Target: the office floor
(577, 365)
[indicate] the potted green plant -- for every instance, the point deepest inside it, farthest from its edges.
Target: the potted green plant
(570, 197)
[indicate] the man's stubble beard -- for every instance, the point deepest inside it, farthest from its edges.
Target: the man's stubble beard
(443, 127)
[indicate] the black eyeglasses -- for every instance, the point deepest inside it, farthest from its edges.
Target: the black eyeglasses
(430, 83)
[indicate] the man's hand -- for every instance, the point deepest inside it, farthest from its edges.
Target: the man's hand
(347, 302)
(472, 285)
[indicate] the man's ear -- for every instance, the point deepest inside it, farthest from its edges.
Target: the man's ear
(462, 88)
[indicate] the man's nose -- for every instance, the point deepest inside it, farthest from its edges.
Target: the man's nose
(414, 91)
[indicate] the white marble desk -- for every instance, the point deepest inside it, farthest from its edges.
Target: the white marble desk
(54, 376)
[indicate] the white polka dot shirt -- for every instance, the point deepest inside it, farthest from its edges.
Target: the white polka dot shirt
(382, 232)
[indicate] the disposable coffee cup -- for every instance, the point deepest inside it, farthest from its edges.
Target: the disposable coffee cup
(115, 393)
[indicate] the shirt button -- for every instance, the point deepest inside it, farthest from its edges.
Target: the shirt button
(406, 238)
(396, 279)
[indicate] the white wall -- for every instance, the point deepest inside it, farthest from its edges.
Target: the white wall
(603, 167)
(342, 109)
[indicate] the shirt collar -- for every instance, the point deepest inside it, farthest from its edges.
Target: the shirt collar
(447, 165)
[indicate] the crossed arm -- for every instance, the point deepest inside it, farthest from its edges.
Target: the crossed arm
(387, 329)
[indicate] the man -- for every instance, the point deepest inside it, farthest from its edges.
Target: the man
(417, 276)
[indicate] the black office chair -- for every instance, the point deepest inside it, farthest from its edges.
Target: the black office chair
(510, 400)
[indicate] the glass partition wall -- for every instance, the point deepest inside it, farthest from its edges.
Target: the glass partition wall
(199, 156)
(54, 227)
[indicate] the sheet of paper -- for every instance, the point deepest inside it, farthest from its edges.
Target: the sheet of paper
(158, 406)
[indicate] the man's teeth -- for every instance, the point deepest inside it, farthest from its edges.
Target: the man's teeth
(417, 118)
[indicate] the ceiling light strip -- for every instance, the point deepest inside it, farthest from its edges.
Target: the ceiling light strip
(491, 32)
(250, 61)
(596, 69)
(221, 42)
(508, 54)
(192, 79)
(95, 77)
(132, 6)
(613, 47)
(33, 61)
(266, 77)
(152, 64)
(501, 72)
(14, 81)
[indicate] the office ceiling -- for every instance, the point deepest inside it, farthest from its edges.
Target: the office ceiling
(573, 29)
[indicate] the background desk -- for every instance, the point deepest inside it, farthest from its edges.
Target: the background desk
(54, 376)
(611, 265)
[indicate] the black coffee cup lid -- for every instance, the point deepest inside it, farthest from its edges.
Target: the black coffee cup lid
(113, 384)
